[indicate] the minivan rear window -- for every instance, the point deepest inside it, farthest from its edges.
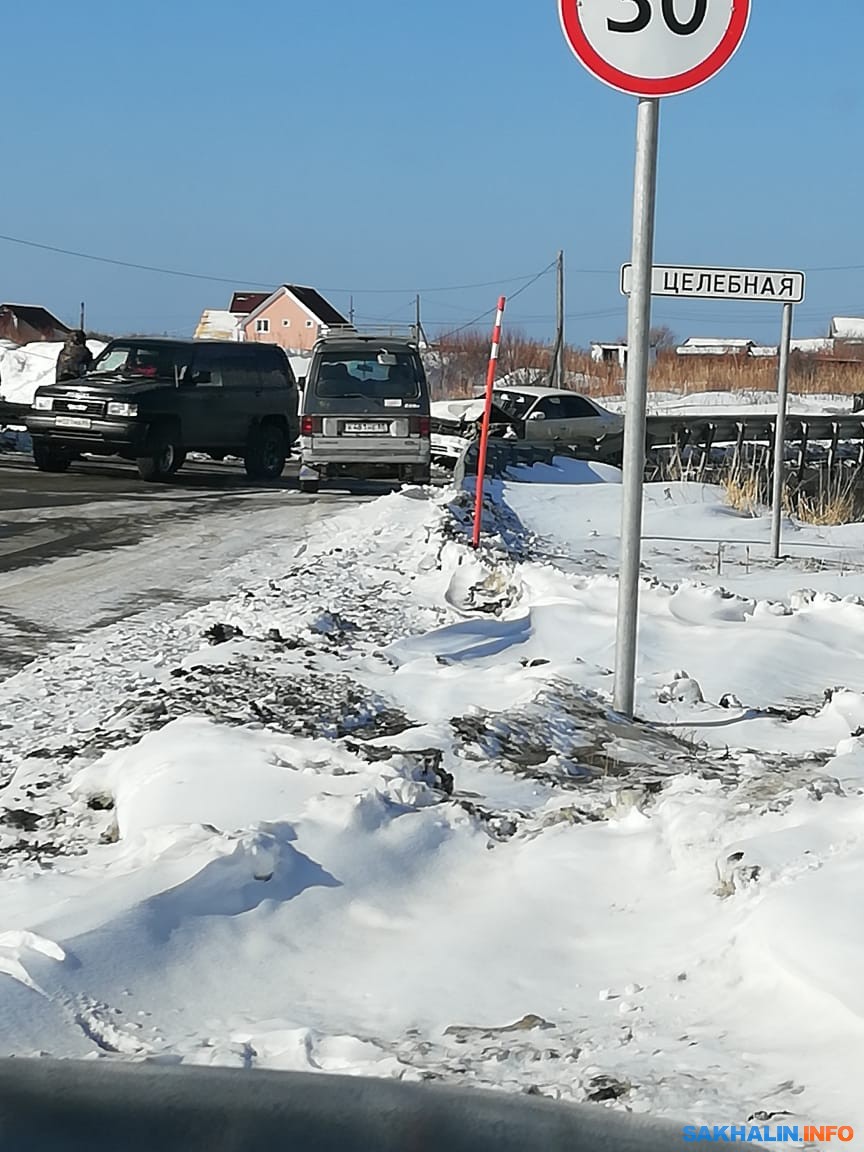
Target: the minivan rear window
(367, 375)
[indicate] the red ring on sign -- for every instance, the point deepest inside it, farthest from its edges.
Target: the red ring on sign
(571, 23)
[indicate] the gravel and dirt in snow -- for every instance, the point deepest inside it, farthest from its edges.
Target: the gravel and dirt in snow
(368, 809)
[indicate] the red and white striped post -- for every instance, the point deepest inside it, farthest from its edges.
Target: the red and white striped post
(487, 417)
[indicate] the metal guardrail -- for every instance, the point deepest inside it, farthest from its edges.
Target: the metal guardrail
(749, 428)
(108, 1106)
(677, 433)
(503, 455)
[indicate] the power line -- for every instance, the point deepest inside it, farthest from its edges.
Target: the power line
(838, 268)
(234, 280)
(490, 311)
(128, 263)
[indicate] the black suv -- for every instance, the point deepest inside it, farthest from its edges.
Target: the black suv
(153, 400)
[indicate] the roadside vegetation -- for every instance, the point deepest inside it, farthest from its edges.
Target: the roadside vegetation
(458, 368)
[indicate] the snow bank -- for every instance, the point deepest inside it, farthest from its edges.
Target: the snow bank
(566, 470)
(382, 818)
(740, 402)
(24, 369)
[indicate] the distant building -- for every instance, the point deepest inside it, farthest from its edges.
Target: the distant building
(615, 353)
(713, 346)
(764, 351)
(847, 328)
(218, 325)
(242, 303)
(292, 316)
(814, 346)
(29, 323)
(847, 332)
(609, 354)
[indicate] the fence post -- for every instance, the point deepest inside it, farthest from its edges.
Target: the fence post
(487, 417)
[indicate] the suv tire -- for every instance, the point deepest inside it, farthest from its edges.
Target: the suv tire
(266, 452)
(162, 462)
(178, 461)
(48, 459)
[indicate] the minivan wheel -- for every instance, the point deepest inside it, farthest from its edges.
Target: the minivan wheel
(48, 459)
(163, 461)
(266, 452)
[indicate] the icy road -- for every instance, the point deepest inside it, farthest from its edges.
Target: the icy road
(84, 549)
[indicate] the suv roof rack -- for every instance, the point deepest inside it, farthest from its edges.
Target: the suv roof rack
(397, 331)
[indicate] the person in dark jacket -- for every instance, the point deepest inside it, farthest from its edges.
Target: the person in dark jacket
(75, 358)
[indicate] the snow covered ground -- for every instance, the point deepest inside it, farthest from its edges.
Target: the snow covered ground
(372, 813)
(738, 403)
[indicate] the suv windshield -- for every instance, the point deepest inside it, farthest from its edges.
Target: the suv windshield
(381, 375)
(153, 361)
(515, 404)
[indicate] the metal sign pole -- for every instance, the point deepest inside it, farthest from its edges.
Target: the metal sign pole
(636, 403)
(780, 430)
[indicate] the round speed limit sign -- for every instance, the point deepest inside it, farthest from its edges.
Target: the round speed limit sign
(654, 47)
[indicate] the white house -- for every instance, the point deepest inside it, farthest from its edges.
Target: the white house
(616, 353)
(814, 345)
(849, 328)
(609, 354)
(714, 346)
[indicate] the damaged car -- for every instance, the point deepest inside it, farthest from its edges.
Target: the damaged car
(549, 417)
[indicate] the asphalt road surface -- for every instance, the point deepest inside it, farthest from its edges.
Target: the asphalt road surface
(88, 547)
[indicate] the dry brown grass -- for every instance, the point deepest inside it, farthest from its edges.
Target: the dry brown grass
(743, 490)
(466, 356)
(834, 503)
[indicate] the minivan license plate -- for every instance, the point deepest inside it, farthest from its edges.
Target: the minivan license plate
(367, 428)
(72, 422)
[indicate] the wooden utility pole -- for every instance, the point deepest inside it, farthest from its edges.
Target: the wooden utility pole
(81, 325)
(558, 371)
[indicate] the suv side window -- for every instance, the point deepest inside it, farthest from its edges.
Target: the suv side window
(207, 368)
(239, 366)
(275, 369)
(419, 371)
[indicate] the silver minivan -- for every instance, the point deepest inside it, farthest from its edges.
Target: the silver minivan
(364, 411)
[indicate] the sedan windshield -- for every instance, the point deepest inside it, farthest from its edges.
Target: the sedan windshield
(156, 361)
(515, 404)
(376, 375)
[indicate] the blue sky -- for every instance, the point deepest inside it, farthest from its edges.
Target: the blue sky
(388, 147)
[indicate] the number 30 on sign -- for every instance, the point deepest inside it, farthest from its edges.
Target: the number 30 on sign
(654, 47)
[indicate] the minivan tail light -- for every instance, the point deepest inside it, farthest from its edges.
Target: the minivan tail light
(420, 425)
(310, 425)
